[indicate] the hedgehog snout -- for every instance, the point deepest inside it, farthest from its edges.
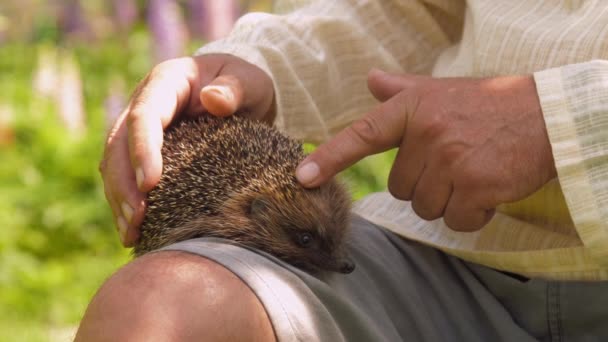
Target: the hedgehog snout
(347, 266)
(342, 264)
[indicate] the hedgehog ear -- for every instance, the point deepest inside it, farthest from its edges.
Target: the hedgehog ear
(258, 206)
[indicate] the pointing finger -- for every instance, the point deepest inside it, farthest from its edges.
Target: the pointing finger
(378, 131)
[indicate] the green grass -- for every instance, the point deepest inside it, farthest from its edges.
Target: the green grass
(58, 242)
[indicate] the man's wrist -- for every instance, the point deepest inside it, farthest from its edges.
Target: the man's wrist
(518, 95)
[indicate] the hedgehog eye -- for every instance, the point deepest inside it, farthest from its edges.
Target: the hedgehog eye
(258, 206)
(305, 240)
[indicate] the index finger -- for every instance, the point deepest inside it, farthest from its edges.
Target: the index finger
(379, 130)
(167, 91)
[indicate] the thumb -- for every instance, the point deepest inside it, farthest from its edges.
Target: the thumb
(239, 86)
(379, 130)
(384, 85)
(223, 96)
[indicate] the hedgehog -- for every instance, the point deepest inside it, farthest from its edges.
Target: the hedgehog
(234, 178)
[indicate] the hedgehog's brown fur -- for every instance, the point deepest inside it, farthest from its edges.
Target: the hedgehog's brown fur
(234, 178)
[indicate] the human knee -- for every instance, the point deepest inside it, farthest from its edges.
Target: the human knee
(176, 296)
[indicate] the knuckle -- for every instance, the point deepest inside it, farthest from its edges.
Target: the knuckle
(450, 154)
(454, 223)
(159, 74)
(135, 115)
(424, 210)
(103, 166)
(399, 191)
(163, 68)
(411, 101)
(432, 126)
(471, 184)
(169, 69)
(463, 221)
(367, 130)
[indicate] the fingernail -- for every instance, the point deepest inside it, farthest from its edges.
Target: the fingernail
(377, 71)
(139, 176)
(127, 211)
(223, 91)
(307, 172)
(122, 228)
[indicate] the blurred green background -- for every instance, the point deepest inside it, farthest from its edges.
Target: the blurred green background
(66, 71)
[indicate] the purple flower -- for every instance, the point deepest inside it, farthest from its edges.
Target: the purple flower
(168, 29)
(212, 19)
(116, 101)
(197, 13)
(125, 13)
(221, 18)
(72, 20)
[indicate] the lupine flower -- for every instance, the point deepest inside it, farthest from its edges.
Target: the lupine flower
(125, 13)
(220, 18)
(116, 101)
(72, 20)
(46, 77)
(197, 13)
(69, 97)
(168, 30)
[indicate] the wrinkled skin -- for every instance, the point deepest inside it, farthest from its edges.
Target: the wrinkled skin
(465, 145)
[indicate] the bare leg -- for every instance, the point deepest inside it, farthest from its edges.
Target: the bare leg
(175, 296)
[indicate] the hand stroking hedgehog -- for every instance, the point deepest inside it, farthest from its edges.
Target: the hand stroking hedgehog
(234, 178)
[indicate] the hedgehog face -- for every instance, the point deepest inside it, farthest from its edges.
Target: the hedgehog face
(304, 227)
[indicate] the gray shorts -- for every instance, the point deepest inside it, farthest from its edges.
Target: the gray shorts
(404, 291)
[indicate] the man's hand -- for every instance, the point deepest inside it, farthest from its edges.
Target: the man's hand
(465, 145)
(132, 162)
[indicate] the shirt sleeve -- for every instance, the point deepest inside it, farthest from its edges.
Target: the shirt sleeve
(574, 100)
(319, 55)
